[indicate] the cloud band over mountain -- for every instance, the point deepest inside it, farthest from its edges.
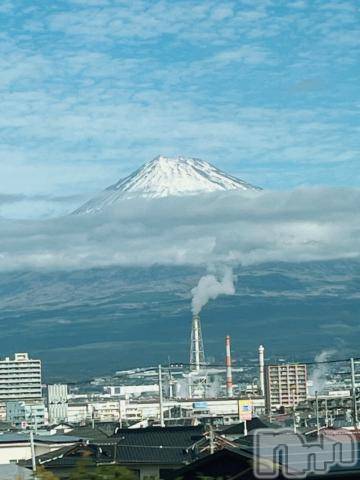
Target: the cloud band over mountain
(227, 228)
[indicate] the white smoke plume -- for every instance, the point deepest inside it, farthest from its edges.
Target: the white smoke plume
(318, 376)
(210, 288)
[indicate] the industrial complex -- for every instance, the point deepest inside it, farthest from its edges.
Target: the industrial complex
(206, 409)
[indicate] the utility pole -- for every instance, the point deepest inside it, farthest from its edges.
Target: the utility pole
(93, 419)
(120, 414)
(35, 423)
(161, 406)
(293, 410)
(171, 385)
(353, 387)
(317, 413)
(32, 447)
(326, 414)
(211, 438)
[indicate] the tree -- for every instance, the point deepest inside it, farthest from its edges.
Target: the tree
(88, 471)
(43, 474)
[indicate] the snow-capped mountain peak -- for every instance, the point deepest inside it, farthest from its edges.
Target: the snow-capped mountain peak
(167, 176)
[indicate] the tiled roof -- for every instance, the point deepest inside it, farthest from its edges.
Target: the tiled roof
(156, 445)
(152, 455)
(180, 436)
(25, 438)
(224, 463)
(89, 433)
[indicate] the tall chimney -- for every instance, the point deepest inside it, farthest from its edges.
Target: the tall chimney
(197, 356)
(229, 382)
(262, 370)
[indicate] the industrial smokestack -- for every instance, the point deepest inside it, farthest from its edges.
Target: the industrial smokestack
(229, 382)
(262, 370)
(197, 356)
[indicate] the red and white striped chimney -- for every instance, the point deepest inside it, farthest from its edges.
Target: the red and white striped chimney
(229, 382)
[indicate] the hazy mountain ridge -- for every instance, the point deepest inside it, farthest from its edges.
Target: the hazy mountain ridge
(106, 319)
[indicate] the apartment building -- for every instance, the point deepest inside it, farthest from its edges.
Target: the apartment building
(58, 403)
(20, 378)
(285, 385)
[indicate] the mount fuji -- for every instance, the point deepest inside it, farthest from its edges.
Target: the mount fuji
(165, 177)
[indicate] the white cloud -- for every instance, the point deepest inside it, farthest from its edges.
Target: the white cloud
(116, 83)
(233, 228)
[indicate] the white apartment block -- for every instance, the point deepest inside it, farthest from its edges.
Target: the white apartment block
(20, 378)
(285, 385)
(58, 403)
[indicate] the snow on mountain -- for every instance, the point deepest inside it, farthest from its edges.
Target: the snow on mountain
(163, 177)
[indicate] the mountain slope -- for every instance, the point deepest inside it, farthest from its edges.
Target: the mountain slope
(165, 176)
(90, 322)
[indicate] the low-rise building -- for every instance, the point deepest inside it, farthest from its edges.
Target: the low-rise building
(16, 446)
(23, 415)
(149, 453)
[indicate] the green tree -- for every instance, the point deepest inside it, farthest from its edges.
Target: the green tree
(43, 474)
(88, 471)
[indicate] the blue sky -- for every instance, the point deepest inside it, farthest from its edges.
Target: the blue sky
(266, 90)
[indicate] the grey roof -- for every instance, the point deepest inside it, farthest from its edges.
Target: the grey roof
(161, 455)
(181, 436)
(155, 445)
(11, 472)
(25, 438)
(224, 463)
(94, 434)
(238, 428)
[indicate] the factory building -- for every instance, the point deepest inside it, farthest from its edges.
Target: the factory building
(131, 390)
(285, 386)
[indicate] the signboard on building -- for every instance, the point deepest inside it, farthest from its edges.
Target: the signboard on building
(200, 406)
(245, 410)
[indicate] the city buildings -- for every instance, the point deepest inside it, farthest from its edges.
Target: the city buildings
(285, 386)
(132, 411)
